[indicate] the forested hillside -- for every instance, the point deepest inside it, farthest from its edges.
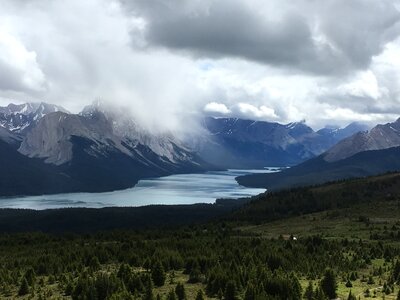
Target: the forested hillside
(336, 240)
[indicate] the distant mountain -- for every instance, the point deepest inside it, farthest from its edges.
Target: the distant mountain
(20, 117)
(318, 170)
(88, 149)
(362, 154)
(103, 148)
(380, 137)
(238, 143)
(165, 145)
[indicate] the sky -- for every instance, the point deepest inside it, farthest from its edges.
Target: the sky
(328, 62)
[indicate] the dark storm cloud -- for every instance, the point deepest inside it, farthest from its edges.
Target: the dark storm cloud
(323, 37)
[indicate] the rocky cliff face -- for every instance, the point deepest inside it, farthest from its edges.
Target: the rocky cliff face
(50, 139)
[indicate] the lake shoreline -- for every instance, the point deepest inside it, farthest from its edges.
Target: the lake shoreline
(175, 189)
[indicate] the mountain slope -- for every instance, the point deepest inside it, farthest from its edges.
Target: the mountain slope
(86, 148)
(21, 175)
(318, 170)
(362, 154)
(238, 143)
(380, 137)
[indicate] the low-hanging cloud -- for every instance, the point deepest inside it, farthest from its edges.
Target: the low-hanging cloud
(171, 61)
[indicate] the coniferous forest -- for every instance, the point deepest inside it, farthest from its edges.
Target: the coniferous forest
(338, 240)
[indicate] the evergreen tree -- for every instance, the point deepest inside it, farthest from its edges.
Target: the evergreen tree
(328, 284)
(351, 296)
(195, 273)
(230, 291)
(24, 288)
(295, 288)
(250, 293)
(180, 291)
(200, 295)
(171, 295)
(30, 276)
(149, 290)
(220, 294)
(158, 274)
(349, 284)
(319, 294)
(309, 292)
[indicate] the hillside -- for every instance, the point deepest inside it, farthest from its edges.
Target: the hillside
(351, 227)
(318, 170)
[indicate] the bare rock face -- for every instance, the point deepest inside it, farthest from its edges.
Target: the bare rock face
(165, 145)
(50, 139)
(378, 138)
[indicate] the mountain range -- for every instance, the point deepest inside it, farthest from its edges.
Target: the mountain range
(103, 148)
(238, 143)
(363, 154)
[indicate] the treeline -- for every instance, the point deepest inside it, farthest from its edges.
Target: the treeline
(86, 220)
(299, 201)
(125, 265)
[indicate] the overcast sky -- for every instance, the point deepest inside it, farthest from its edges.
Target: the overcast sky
(328, 62)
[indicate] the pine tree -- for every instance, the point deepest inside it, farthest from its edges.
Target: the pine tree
(30, 276)
(329, 285)
(24, 288)
(149, 290)
(309, 292)
(180, 291)
(319, 294)
(200, 295)
(351, 296)
(230, 291)
(158, 274)
(250, 293)
(171, 295)
(195, 273)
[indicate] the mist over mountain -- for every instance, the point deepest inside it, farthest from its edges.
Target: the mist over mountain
(105, 148)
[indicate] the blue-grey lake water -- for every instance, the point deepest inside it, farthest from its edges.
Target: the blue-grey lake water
(174, 189)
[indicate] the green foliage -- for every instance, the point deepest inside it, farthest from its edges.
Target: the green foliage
(200, 295)
(351, 296)
(328, 284)
(309, 292)
(24, 288)
(171, 295)
(250, 292)
(180, 291)
(230, 291)
(158, 274)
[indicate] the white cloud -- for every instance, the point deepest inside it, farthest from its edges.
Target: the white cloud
(364, 84)
(72, 52)
(219, 108)
(19, 69)
(250, 111)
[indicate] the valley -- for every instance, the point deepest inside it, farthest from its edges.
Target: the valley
(272, 256)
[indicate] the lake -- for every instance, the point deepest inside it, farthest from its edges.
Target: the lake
(174, 189)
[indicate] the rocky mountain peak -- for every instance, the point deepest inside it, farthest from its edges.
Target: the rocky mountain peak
(20, 117)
